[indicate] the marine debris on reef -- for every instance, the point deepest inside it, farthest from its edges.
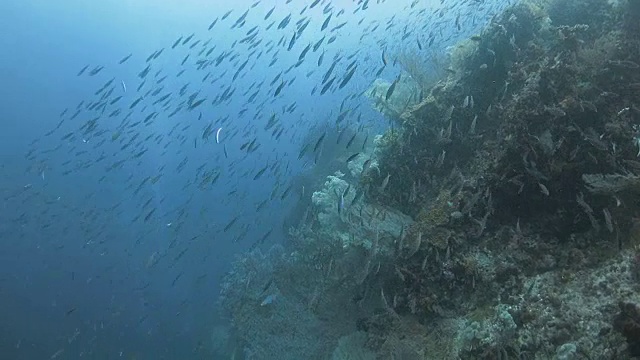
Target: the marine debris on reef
(497, 219)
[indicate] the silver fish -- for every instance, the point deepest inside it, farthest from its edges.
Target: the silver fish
(385, 182)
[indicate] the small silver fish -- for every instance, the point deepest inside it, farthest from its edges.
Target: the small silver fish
(440, 159)
(607, 219)
(385, 182)
(543, 189)
(472, 130)
(269, 299)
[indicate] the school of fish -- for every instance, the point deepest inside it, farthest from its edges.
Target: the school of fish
(158, 130)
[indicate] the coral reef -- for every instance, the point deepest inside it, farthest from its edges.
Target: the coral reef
(498, 218)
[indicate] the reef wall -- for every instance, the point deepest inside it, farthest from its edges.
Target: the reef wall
(497, 219)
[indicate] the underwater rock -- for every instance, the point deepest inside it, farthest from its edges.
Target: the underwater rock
(566, 351)
(355, 223)
(394, 103)
(502, 165)
(628, 324)
(328, 200)
(352, 347)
